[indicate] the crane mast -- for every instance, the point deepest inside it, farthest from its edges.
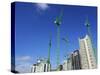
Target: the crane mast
(58, 23)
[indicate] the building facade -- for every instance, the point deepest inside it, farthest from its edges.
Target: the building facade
(69, 62)
(88, 60)
(65, 65)
(41, 66)
(73, 61)
(76, 64)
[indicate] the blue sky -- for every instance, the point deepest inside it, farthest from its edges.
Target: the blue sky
(34, 23)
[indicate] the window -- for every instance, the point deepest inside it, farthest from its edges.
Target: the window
(34, 69)
(44, 67)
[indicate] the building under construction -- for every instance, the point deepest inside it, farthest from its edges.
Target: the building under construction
(41, 66)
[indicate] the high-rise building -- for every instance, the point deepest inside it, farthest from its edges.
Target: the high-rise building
(88, 60)
(76, 60)
(41, 66)
(73, 61)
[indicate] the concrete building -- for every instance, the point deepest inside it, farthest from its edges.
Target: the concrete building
(41, 66)
(69, 62)
(60, 67)
(73, 61)
(76, 60)
(88, 60)
(65, 65)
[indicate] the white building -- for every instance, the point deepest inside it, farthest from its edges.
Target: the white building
(41, 66)
(87, 57)
(69, 62)
(65, 65)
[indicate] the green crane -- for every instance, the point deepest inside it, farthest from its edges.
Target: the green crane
(66, 41)
(58, 23)
(49, 52)
(87, 24)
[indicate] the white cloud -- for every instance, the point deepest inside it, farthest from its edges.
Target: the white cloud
(23, 64)
(23, 58)
(24, 67)
(42, 6)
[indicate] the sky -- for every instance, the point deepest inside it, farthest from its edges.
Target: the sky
(35, 21)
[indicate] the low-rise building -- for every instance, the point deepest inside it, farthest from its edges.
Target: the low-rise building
(42, 65)
(65, 65)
